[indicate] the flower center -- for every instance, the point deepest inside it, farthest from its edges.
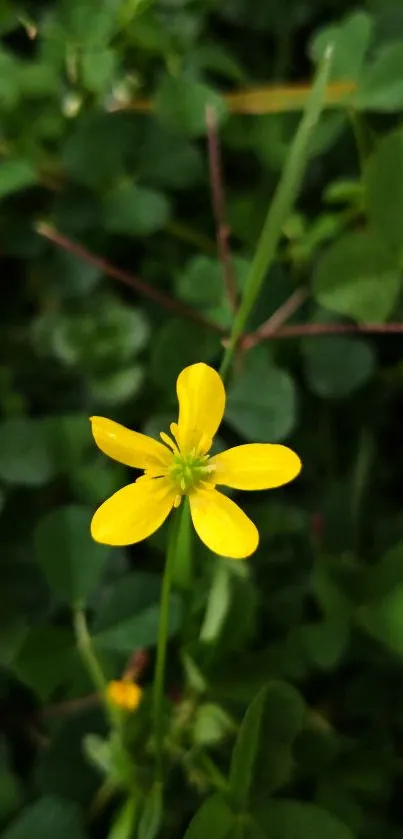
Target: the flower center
(189, 470)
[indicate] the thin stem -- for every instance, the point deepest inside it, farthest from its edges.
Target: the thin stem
(91, 663)
(268, 99)
(280, 316)
(159, 675)
(125, 277)
(307, 330)
(219, 208)
(192, 237)
(361, 135)
(84, 645)
(280, 207)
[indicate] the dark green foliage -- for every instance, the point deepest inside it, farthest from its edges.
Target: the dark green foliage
(283, 707)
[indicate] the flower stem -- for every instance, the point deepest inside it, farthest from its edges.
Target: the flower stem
(84, 646)
(90, 661)
(281, 206)
(159, 676)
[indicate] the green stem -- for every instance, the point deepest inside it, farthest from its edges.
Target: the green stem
(91, 663)
(280, 206)
(362, 137)
(84, 646)
(159, 676)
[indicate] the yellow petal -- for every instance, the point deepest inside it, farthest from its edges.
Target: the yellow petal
(256, 466)
(201, 396)
(134, 512)
(222, 525)
(127, 446)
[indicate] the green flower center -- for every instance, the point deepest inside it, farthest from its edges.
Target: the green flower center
(189, 470)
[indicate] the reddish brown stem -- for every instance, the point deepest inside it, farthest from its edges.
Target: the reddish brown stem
(219, 206)
(272, 326)
(125, 277)
(307, 330)
(272, 329)
(71, 706)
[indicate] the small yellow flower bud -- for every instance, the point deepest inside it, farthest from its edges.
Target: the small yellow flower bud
(124, 694)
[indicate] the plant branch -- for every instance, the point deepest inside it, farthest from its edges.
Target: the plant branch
(158, 714)
(280, 207)
(219, 206)
(271, 326)
(267, 99)
(307, 330)
(67, 244)
(272, 329)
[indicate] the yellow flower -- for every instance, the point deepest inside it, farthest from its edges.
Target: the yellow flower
(182, 466)
(124, 694)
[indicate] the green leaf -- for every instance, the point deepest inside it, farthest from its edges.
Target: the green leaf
(135, 210)
(97, 479)
(296, 820)
(25, 457)
(211, 725)
(214, 819)
(46, 818)
(351, 40)
(128, 617)
(261, 759)
(181, 103)
(98, 69)
(151, 816)
(13, 630)
(167, 159)
(102, 336)
(117, 388)
(325, 643)
(11, 794)
(336, 366)
(122, 825)
(88, 23)
(384, 181)
(15, 175)
(201, 283)
(70, 276)
(69, 558)
(381, 85)
(177, 344)
(358, 276)
(218, 604)
(68, 437)
(261, 403)
(384, 619)
(96, 164)
(383, 577)
(46, 659)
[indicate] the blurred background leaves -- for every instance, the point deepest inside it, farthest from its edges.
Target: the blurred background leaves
(103, 144)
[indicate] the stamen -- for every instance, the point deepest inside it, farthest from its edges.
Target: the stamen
(205, 485)
(205, 444)
(174, 430)
(178, 499)
(167, 440)
(154, 472)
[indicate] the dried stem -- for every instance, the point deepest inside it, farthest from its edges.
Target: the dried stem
(49, 232)
(71, 706)
(307, 330)
(271, 327)
(219, 206)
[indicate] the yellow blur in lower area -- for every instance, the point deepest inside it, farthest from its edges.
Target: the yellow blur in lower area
(124, 694)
